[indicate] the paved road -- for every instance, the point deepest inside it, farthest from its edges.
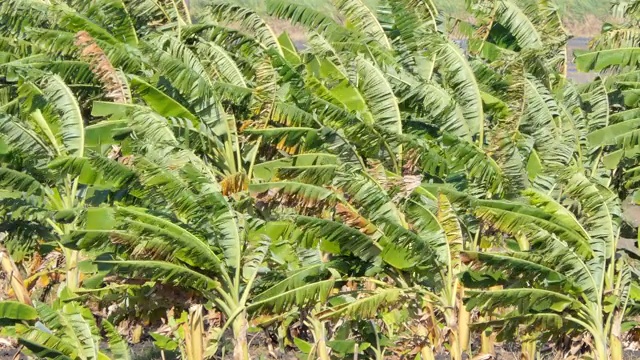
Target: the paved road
(578, 44)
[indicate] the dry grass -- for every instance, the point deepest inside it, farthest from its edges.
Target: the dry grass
(589, 26)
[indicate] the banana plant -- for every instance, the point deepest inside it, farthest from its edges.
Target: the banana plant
(37, 204)
(408, 237)
(179, 229)
(612, 52)
(54, 125)
(44, 122)
(617, 47)
(62, 331)
(560, 265)
(534, 120)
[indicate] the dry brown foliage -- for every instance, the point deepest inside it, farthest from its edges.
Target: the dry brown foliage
(115, 89)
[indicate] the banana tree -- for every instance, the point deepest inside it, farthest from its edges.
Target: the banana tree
(37, 204)
(44, 120)
(63, 331)
(615, 55)
(93, 55)
(178, 229)
(448, 104)
(389, 224)
(333, 92)
(560, 272)
(617, 47)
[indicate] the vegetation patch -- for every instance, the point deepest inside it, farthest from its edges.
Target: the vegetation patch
(408, 184)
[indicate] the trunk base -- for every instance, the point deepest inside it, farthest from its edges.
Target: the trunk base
(241, 346)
